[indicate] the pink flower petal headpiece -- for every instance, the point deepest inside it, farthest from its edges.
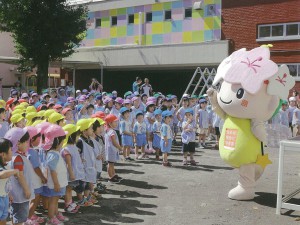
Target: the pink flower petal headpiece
(248, 68)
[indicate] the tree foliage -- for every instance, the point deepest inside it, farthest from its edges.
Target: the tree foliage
(43, 30)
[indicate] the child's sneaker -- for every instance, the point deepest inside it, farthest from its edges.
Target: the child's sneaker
(54, 221)
(167, 164)
(119, 178)
(114, 180)
(201, 146)
(91, 199)
(31, 222)
(143, 156)
(37, 219)
(61, 217)
(71, 208)
(193, 162)
(184, 162)
(84, 203)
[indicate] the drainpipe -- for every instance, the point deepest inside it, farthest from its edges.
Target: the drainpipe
(140, 28)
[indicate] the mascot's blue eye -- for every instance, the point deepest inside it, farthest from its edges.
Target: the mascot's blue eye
(240, 93)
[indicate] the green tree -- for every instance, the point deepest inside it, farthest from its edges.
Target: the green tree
(43, 31)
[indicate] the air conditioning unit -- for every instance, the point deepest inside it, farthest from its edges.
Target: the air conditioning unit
(198, 5)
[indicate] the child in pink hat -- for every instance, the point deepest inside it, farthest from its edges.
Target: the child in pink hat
(56, 172)
(33, 156)
(6, 156)
(23, 186)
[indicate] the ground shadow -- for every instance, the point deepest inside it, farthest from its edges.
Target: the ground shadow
(140, 184)
(197, 167)
(217, 167)
(266, 199)
(128, 164)
(126, 171)
(270, 200)
(150, 161)
(129, 194)
(112, 210)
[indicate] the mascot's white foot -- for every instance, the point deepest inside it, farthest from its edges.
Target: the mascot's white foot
(246, 186)
(241, 193)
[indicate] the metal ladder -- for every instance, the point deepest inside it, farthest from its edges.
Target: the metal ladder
(201, 81)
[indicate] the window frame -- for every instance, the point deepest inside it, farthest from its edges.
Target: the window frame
(97, 19)
(147, 13)
(278, 38)
(185, 17)
(168, 10)
(111, 21)
(128, 19)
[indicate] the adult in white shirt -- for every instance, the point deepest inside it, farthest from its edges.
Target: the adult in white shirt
(146, 88)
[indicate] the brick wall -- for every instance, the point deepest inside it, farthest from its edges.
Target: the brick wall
(241, 18)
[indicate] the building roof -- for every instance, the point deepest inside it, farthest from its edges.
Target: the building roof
(77, 2)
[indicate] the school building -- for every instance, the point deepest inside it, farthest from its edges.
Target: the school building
(166, 40)
(163, 40)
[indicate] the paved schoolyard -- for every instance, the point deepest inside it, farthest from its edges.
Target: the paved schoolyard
(152, 194)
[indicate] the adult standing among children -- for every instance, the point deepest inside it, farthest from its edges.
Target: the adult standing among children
(146, 88)
(136, 84)
(1, 88)
(95, 86)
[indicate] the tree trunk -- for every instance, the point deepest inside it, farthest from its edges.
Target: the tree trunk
(42, 76)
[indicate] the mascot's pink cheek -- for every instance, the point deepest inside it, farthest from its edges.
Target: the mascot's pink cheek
(244, 103)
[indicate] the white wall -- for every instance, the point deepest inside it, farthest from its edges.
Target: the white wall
(7, 71)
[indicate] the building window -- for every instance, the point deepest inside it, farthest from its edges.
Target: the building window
(211, 10)
(98, 23)
(294, 69)
(292, 29)
(188, 13)
(114, 21)
(130, 18)
(277, 31)
(282, 31)
(168, 15)
(149, 17)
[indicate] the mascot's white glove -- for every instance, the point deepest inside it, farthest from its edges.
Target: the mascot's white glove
(258, 129)
(212, 95)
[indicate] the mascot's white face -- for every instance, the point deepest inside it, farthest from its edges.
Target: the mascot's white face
(237, 102)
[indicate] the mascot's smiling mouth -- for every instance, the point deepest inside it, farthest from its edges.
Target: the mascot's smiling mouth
(227, 103)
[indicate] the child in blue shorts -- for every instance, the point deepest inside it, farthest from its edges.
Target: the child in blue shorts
(188, 136)
(156, 132)
(56, 173)
(166, 136)
(5, 174)
(126, 132)
(140, 138)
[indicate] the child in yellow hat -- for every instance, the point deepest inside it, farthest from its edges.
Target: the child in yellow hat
(86, 149)
(99, 151)
(75, 166)
(56, 118)
(17, 120)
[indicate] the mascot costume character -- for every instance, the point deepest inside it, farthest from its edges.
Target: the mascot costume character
(251, 87)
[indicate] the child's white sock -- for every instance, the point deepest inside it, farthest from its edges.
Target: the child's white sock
(150, 144)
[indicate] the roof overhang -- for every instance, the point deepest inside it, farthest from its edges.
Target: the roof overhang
(189, 55)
